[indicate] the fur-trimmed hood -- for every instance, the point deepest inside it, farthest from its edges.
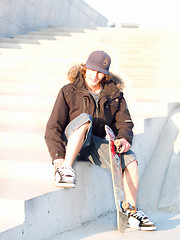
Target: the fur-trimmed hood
(75, 70)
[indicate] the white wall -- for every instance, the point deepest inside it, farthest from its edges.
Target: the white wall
(23, 15)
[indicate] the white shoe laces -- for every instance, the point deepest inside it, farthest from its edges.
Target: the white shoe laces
(67, 171)
(141, 215)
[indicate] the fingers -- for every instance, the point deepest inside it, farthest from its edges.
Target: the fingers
(123, 149)
(118, 143)
(122, 144)
(58, 163)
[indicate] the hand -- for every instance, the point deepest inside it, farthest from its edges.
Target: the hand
(122, 145)
(58, 163)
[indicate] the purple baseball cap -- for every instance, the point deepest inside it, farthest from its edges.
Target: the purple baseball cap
(99, 61)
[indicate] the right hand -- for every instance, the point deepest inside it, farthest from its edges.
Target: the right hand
(122, 144)
(58, 163)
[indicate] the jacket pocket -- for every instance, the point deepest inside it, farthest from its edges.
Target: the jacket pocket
(110, 109)
(113, 105)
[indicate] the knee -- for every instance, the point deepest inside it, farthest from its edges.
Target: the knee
(86, 117)
(132, 167)
(85, 126)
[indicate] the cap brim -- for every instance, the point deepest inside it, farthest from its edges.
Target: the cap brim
(95, 68)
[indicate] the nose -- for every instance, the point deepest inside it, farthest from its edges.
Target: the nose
(95, 74)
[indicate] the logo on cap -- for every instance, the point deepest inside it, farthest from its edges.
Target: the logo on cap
(105, 62)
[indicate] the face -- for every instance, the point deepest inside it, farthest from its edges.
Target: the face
(93, 78)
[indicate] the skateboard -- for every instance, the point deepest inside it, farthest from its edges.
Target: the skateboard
(116, 170)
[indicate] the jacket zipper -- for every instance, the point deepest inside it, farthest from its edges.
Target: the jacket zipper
(97, 109)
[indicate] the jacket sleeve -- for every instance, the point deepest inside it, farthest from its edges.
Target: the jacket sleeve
(124, 123)
(55, 127)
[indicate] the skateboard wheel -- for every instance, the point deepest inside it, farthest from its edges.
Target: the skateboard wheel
(125, 205)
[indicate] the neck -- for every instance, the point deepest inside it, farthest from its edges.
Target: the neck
(95, 89)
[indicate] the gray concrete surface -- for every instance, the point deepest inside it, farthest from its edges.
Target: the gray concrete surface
(168, 227)
(21, 16)
(159, 186)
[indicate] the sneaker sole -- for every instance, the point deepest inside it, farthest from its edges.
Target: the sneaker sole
(65, 185)
(147, 228)
(142, 228)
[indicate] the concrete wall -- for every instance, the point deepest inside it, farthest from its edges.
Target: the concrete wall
(23, 15)
(148, 130)
(65, 209)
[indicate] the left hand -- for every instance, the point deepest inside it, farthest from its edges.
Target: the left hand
(122, 144)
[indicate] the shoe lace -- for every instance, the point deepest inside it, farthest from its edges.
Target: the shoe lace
(140, 215)
(67, 171)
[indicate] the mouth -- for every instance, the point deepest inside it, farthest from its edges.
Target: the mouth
(94, 80)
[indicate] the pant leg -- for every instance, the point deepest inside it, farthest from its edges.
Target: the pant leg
(77, 123)
(99, 154)
(95, 149)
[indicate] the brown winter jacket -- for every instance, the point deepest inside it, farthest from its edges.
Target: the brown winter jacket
(74, 99)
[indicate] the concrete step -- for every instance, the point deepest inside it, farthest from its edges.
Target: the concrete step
(70, 48)
(26, 41)
(119, 56)
(140, 34)
(67, 47)
(26, 171)
(152, 93)
(27, 103)
(64, 51)
(19, 40)
(54, 65)
(50, 66)
(42, 211)
(125, 36)
(136, 82)
(56, 33)
(68, 29)
(10, 45)
(121, 37)
(14, 195)
(31, 89)
(11, 210)
(18, 140)
(23, 121)
(33, 64)
(153, 82)
(43, 103)
(33, 78)
(127, 46)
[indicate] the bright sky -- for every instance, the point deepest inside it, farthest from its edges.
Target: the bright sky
(148, 12)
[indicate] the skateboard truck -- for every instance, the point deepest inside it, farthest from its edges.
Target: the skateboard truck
(127, 206)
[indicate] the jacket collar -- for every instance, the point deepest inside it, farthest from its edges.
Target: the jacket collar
(110, 89)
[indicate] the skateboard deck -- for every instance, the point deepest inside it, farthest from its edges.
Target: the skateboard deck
(116, 171)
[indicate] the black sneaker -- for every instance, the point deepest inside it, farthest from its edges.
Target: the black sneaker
(65, 177)
(140, 220)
